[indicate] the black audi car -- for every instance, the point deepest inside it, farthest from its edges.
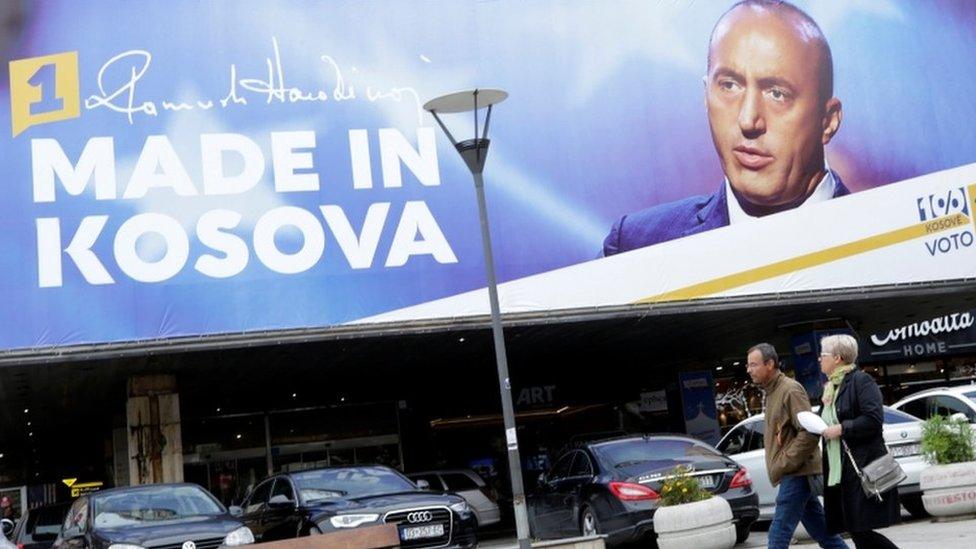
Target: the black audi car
(324, 500)
(159, 516)
(611, 486)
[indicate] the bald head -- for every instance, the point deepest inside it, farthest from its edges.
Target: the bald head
(786, 17)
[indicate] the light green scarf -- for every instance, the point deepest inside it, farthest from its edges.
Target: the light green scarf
(830, 416)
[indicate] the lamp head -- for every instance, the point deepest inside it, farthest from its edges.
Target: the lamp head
(473, 151)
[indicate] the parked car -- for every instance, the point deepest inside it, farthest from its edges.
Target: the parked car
(944, 401)
(902, 434)
(159, 515)
(40, 526)
(470, 486)
(610, 487)
(311, 502)
(4, 542)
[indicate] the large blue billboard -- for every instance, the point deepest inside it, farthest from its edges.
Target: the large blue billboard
(183, 168)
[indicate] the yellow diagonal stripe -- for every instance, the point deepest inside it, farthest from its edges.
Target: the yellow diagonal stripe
(813, 259)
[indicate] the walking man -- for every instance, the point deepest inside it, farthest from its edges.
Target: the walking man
(792, 454)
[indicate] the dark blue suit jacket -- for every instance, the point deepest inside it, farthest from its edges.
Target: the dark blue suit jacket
(676, 219)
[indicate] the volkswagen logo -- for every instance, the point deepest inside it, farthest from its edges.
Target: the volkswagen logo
(189, 545)
(415, 517)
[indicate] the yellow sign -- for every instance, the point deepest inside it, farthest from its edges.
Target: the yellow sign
(69, 482)
(85, 488)
(44, 89)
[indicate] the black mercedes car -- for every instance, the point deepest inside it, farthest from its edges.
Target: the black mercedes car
(611, 486)
(158, 516)
(324, 500)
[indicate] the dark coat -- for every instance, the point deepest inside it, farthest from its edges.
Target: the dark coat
(676, 220)
(860, 411)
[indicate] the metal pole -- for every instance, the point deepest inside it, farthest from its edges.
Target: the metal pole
(504, 386)
(267, 444)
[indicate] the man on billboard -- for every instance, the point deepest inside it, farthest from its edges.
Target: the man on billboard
(771, 111)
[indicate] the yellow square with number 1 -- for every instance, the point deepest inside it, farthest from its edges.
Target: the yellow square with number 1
(44, 89)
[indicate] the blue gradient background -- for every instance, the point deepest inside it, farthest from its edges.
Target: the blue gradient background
(606, 116)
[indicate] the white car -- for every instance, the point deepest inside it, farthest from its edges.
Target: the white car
(470, 486)
(944, 401)
(8, 526)
(902, 434)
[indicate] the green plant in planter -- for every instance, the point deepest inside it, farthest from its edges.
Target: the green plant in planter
(947, 440)
(680, 488)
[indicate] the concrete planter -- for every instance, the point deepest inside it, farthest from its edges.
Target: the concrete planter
(705, 524)
(949, 490)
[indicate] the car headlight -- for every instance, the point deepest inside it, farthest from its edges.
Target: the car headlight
(125, 546)
(352, 521)
(461, 507)
(241, 536)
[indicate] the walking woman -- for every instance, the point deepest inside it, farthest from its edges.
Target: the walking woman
(853, 410)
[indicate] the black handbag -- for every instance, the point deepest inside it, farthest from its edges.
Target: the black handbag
(879, 476)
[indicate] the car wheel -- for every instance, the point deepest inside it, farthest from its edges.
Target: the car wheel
(913, 504)
(589, 525)
(741, 533)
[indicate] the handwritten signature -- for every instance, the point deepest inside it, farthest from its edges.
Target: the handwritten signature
(271, 89)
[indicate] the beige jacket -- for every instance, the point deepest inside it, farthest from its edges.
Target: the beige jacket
(790, 450)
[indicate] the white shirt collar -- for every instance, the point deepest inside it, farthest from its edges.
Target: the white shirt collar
(825, 191)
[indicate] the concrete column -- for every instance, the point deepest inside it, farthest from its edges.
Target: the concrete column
(153, 427)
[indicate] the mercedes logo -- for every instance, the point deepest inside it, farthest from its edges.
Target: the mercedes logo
(189, 545)
(415, 517)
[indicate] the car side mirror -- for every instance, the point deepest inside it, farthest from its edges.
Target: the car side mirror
(423, 484)
(280, 501)
(236, 511)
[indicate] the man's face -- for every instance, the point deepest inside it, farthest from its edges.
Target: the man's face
(759, 370)
(768, 120)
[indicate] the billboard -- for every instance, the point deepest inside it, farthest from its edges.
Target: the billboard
(178, 169)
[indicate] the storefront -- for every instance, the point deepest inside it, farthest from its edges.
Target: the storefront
(917, 355)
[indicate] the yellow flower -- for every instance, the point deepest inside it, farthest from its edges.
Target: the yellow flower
(683, 490)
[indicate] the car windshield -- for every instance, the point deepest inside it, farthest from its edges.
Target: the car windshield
(351, 482)
(624, 453)
(894, 416)
(149, 505)
(971, 396)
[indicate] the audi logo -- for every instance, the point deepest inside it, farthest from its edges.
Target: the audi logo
(420, 516)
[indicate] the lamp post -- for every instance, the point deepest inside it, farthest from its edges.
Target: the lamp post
(474, 153)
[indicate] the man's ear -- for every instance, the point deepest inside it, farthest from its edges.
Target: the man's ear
(833, 114)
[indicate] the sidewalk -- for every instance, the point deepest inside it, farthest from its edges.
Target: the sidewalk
(924, 534)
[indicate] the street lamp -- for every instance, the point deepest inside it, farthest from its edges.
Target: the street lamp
(474, 152)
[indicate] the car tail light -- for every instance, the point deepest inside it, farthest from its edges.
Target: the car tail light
(629, 491)
(741, 479)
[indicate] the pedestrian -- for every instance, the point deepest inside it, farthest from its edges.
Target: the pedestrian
(6, 508)
(792, 454)
(853, 410)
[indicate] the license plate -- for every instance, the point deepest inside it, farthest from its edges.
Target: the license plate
(422, 532)
(708, 481)
(906, 450)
